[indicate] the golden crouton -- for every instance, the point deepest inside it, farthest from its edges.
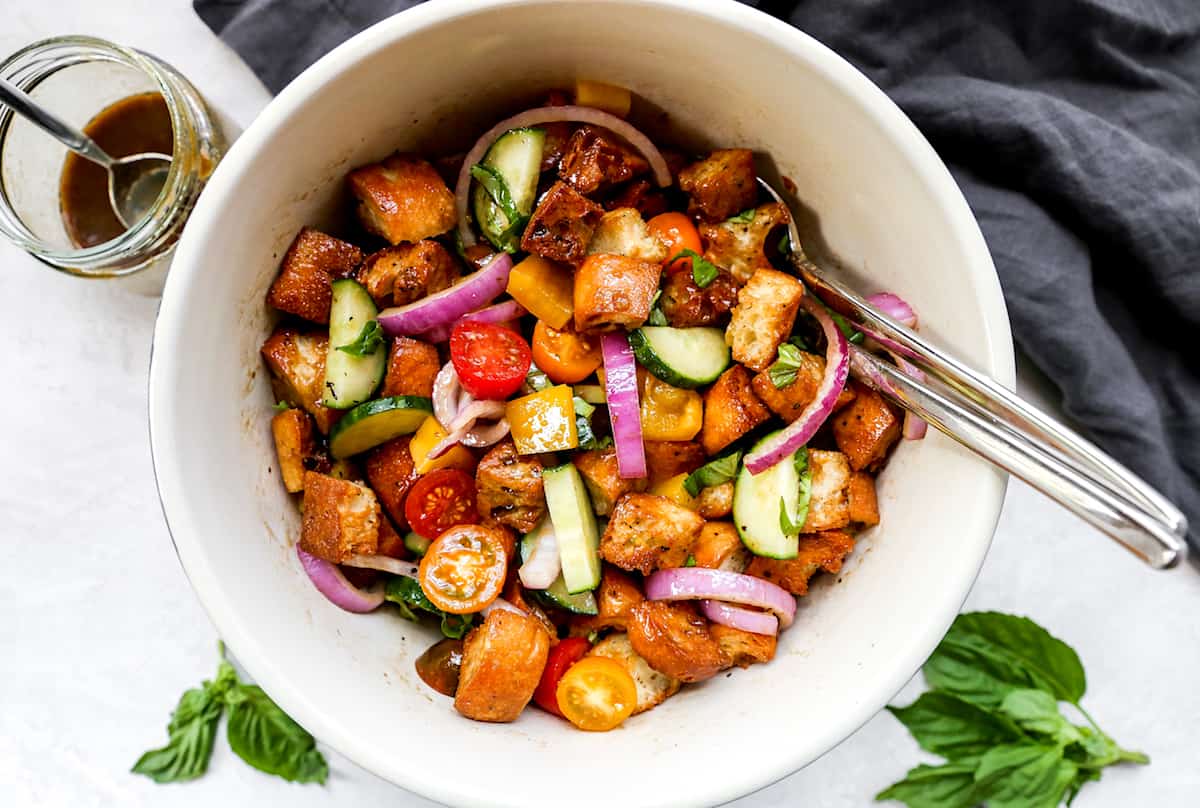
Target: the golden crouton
(294, 446)
(412, 367)
(408, 272)
(743, 648)
(616, 596)
(391, 473)
(719, 547)
(686, 305)
(789, 402)
(730, 410)
(653, 688)
(763, 317)
(669, 458)
(514, 593)
(341, 518)
(715, 501)
(649, 532)
(865, 429)
(828, 507)
(623, 232)
(675, 640)
(502, 662)
(561, 225)
(720, 185)
(818, 551)
(509, 487)
(310, 266)
(402, 199)
(740, 246)
(595, 159)
(641, 195)
(864, 508)
(298, 361)
(605, 486)
(612, 291)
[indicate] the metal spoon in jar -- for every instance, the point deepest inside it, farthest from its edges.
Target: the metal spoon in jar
(134, 182)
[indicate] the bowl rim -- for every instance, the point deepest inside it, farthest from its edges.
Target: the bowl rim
(188, 262)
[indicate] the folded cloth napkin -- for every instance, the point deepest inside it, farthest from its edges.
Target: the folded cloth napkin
(1073, 128)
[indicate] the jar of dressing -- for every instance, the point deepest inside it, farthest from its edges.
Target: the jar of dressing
(54, 204)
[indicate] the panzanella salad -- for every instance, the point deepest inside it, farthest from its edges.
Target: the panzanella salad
(561, 397)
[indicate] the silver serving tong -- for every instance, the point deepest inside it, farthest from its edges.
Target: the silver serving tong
(999, 426)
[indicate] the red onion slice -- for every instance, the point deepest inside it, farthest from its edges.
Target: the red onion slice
(914, 425)
(739, 618)
(699, 583)
(544, 563)
(446, 306)
(383, 563)
(895, 307)
(499, 314)
(620, 390)
(837, 368)
(899, 310)
(447, 394)
(331, 583)
(482, 435)
(533, 117)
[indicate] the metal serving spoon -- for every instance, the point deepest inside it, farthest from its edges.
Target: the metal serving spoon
(134, 182)
(996, 424)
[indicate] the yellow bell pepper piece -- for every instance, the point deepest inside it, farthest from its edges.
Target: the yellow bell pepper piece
(545, 288)
(543, 421)
(425, 438)
(607, 97)
(668, 413)
(672, 488)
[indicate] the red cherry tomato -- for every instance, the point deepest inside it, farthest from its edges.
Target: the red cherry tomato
(491, 360)
(441, 500)
(678, 233)
(562, 657)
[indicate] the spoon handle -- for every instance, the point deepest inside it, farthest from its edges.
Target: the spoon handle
(68, 135)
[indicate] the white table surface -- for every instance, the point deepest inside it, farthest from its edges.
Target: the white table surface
(100, 632)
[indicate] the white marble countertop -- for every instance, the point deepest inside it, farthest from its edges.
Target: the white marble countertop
(101, 632)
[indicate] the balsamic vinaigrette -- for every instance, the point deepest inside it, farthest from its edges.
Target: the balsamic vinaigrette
(139, 123)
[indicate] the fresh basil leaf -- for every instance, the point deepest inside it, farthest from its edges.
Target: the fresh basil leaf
(953, 728)
(583, 426)
(1036, 711)
(851, 333)
(799, 342)
(281, 406)
(406, 593)
(1095, 750)
(456, 626)
(583, 408)
(787, 525)
(785, 244)
(691, 561)
(497, 189)
(367, 341)
(269, 740)
(537, 380)
(715, 472)
(1024, 776)
(191, 732)
(784, 370)
(1082, 778)
(704, 271)
(800, 460)
(745, 217)
(951, 785)
(987, 654)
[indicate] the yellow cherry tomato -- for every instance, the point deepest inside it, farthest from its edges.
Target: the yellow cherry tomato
(596, 694)
(672, 488)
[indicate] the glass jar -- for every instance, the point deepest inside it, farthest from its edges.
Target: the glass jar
(77, 77)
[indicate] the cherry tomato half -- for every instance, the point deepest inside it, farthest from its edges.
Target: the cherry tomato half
(562, 657)
(463, 570)
(491, 360)
(678, 233)
(565, 355)
(597, 694)
(439, 501)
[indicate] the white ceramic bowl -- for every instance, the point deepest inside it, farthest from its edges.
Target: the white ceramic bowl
(436, 77)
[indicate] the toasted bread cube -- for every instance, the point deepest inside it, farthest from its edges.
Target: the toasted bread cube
(412, 367)
(561, 226)
(616, 596)
(612, 291)
(623, 232)
(648, 532)
(818, 551)
(315, 260)
(406, 273)
(509, 487)
(514, 593)
(298, 361)
(641, 195)
(720, 185)
(763, 317)
(789, 402)
(502, 662)
(730, 410)
(670, 458)
(743, 648)
(402, 199)
(391, 472)
(294, 446)
(595, 159)
(866, 429)
(719, 547)
(341, 518)
(605, 486)
(828, 507)
(715, 501)
(686, 305)
(740, 247)
(675, 640)
(558, 135)
(653, 688)
(864, 507)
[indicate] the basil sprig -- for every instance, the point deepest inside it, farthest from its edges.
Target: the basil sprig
(715, 472)
(258, 732)
(993, 714)
(745, 217)
(407, 594)
(367, 341)
(583, 426)
(493, 183)
(789, 524)
(704, 271)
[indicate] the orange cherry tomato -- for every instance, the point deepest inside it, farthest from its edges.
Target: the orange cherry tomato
(597, 694)
(463, 570)
(439, 501)
(562, 657)
(678, 233)
(565, 355)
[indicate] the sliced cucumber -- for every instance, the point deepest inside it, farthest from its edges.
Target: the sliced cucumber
(575, 525)
(591, 393)
(683, 357)
(375, 422)
(357, 355)
(556, 595)
(760, 501)
(416, 543)
(513, 163)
